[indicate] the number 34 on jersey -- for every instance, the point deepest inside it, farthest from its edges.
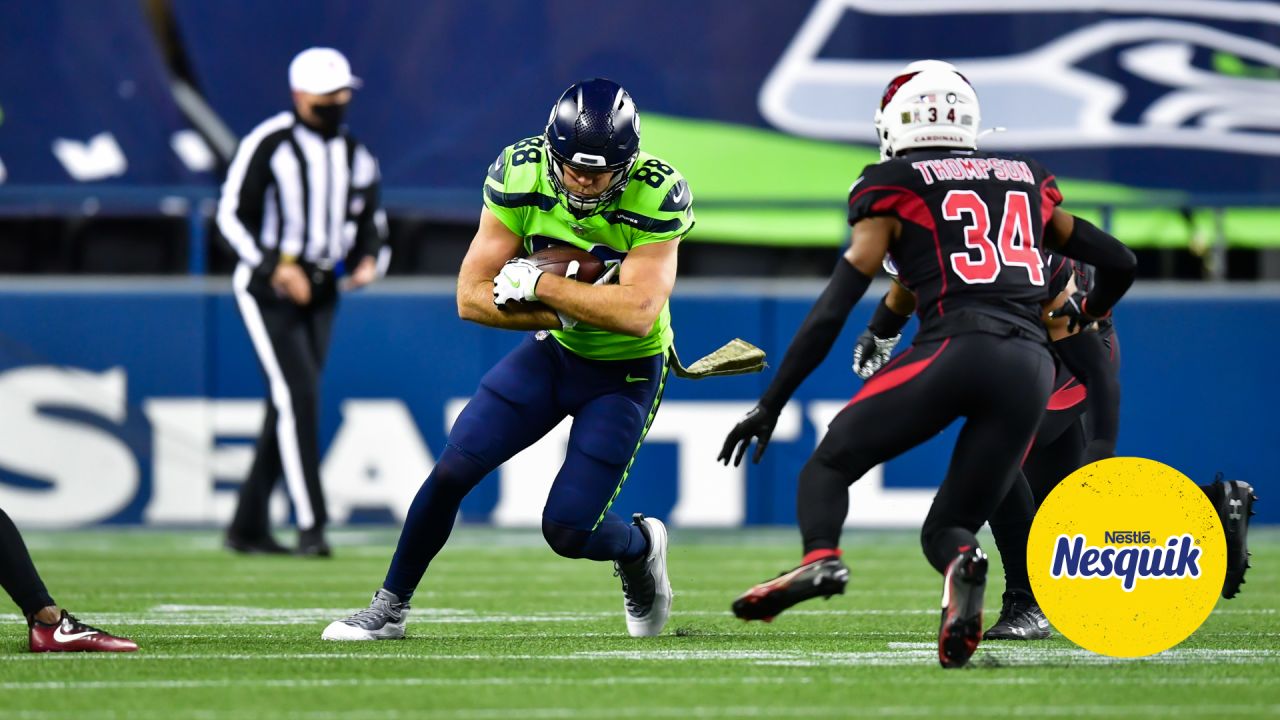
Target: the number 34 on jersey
(972, 223)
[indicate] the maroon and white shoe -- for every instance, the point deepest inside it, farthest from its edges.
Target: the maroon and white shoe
(820, 574)
(71, 635)
(962, 591)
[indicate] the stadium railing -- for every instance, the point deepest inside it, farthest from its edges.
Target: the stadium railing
(197, 205)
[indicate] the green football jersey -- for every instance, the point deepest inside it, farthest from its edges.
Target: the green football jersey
(655, 206)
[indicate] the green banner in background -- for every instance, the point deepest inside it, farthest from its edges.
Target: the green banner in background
(758, 187)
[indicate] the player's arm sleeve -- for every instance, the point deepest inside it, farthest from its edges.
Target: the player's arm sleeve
(509, 207)
(1114, 264)
(371, 224)
(817, 333)
(893, 312)
(672, 218)
(1088, 357)
(241, 203)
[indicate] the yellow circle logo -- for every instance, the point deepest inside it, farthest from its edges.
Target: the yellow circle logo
(1127, 557)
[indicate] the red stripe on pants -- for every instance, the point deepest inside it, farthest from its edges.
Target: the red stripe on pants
(883, 382)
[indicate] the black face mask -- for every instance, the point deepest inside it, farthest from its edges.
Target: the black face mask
(328, 118)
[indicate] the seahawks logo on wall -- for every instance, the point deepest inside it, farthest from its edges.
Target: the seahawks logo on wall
(1145, 73)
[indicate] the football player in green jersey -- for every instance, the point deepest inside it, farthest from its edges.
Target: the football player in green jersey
(598, 351)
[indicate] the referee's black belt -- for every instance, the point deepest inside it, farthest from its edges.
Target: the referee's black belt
(320, 273)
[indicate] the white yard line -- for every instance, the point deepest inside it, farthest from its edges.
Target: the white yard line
(166, 615)
(395, 682)
(534, 593)
(178, 615)
(698, 712)
(896, 654)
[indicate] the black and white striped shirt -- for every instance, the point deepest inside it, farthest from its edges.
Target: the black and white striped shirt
(291, 191)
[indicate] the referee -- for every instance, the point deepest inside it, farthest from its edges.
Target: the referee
(300, 204)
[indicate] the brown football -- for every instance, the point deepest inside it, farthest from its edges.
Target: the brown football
(556, 259)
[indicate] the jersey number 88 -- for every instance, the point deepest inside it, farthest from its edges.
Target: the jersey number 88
(527, 150)
(654, 172)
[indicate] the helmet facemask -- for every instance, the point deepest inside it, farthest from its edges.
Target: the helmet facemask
(584, 205)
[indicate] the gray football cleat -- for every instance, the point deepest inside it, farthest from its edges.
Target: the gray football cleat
(382, 620)
(1020, 619)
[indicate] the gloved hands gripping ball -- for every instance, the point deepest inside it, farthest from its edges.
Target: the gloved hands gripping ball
(517, 282)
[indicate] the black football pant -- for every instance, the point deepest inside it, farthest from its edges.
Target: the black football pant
(998, 384)
(18, 574)
(291, 342)
(1058, 451)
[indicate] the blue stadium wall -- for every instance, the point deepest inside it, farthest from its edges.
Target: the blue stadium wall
(135, 404)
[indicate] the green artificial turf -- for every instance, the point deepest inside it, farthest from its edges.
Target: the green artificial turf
(502, 628)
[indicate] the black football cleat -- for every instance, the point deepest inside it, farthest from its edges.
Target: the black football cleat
(823, 577)
(962, 591)
(265, 545)
(1233, 500)
(1020, 619)
(311, 543)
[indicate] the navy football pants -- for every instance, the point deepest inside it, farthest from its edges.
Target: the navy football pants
(521, 399)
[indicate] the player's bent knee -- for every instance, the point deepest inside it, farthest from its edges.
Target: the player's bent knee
(926, 536)
(930, 533)
(565, 541)
(456, 469)
(835, 460)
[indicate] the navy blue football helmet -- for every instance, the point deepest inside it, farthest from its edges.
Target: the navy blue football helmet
(594, 126)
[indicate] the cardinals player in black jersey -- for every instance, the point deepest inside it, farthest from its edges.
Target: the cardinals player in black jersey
(965, 229)
(1080, 426)
(1086, 374)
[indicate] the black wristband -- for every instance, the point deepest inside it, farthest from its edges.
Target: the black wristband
(817, 333)
(885, 323)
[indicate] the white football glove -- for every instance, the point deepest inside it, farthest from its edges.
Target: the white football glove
(516, 282)
(870, 353)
